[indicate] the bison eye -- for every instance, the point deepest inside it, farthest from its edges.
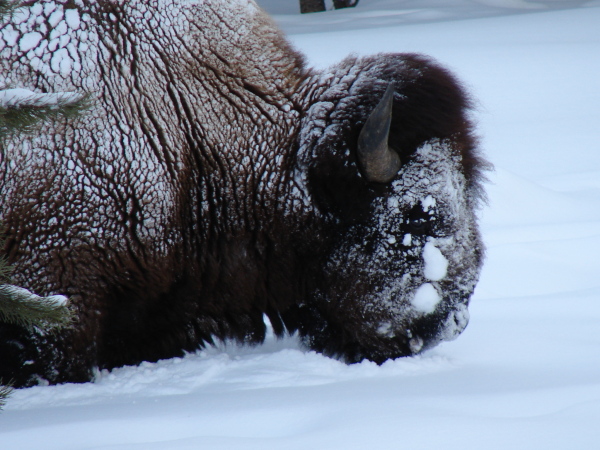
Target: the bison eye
(418, 221)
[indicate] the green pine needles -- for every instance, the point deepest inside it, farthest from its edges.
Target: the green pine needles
(6, 7)
(5, 392)
(21, 307)
(22, 110)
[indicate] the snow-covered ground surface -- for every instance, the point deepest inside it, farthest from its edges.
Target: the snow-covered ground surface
(526, 372)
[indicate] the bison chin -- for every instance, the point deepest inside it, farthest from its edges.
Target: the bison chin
(354, 341)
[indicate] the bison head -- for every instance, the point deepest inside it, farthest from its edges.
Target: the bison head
(390, 162)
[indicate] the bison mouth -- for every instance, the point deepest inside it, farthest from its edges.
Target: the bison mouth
(422, 334)
(388, 341)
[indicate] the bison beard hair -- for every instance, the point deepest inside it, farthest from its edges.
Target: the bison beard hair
(217, 179)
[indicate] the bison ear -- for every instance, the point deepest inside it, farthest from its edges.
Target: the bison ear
(377, 161)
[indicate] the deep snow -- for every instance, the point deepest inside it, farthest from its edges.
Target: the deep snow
(526, 372)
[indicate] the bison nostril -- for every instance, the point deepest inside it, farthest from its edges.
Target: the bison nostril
(417, 225)
(418, 221)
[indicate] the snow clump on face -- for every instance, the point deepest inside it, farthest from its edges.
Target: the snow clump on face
(426, 298)
(436, 265)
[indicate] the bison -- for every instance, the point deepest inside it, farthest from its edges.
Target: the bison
(216, 179)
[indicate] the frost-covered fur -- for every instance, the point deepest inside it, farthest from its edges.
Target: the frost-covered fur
(215, 180)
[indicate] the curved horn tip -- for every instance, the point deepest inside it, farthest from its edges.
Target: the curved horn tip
(388, 96)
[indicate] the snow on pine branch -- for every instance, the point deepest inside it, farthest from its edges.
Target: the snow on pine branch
(21, 109)
(19, 98)
(23, 307)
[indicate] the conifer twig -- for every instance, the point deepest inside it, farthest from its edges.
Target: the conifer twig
(5, 391)
(22, 307)
(21, 110)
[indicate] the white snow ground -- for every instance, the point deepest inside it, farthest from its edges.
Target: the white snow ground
(526, 372)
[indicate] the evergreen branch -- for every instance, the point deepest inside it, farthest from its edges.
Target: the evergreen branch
(5, 269)
(5, 391)
(6, 7)
(21, 307)
(22, 110)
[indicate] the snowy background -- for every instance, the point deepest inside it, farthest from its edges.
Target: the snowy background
(526, 372)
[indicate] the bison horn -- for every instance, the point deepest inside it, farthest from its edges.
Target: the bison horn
(378, 162)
